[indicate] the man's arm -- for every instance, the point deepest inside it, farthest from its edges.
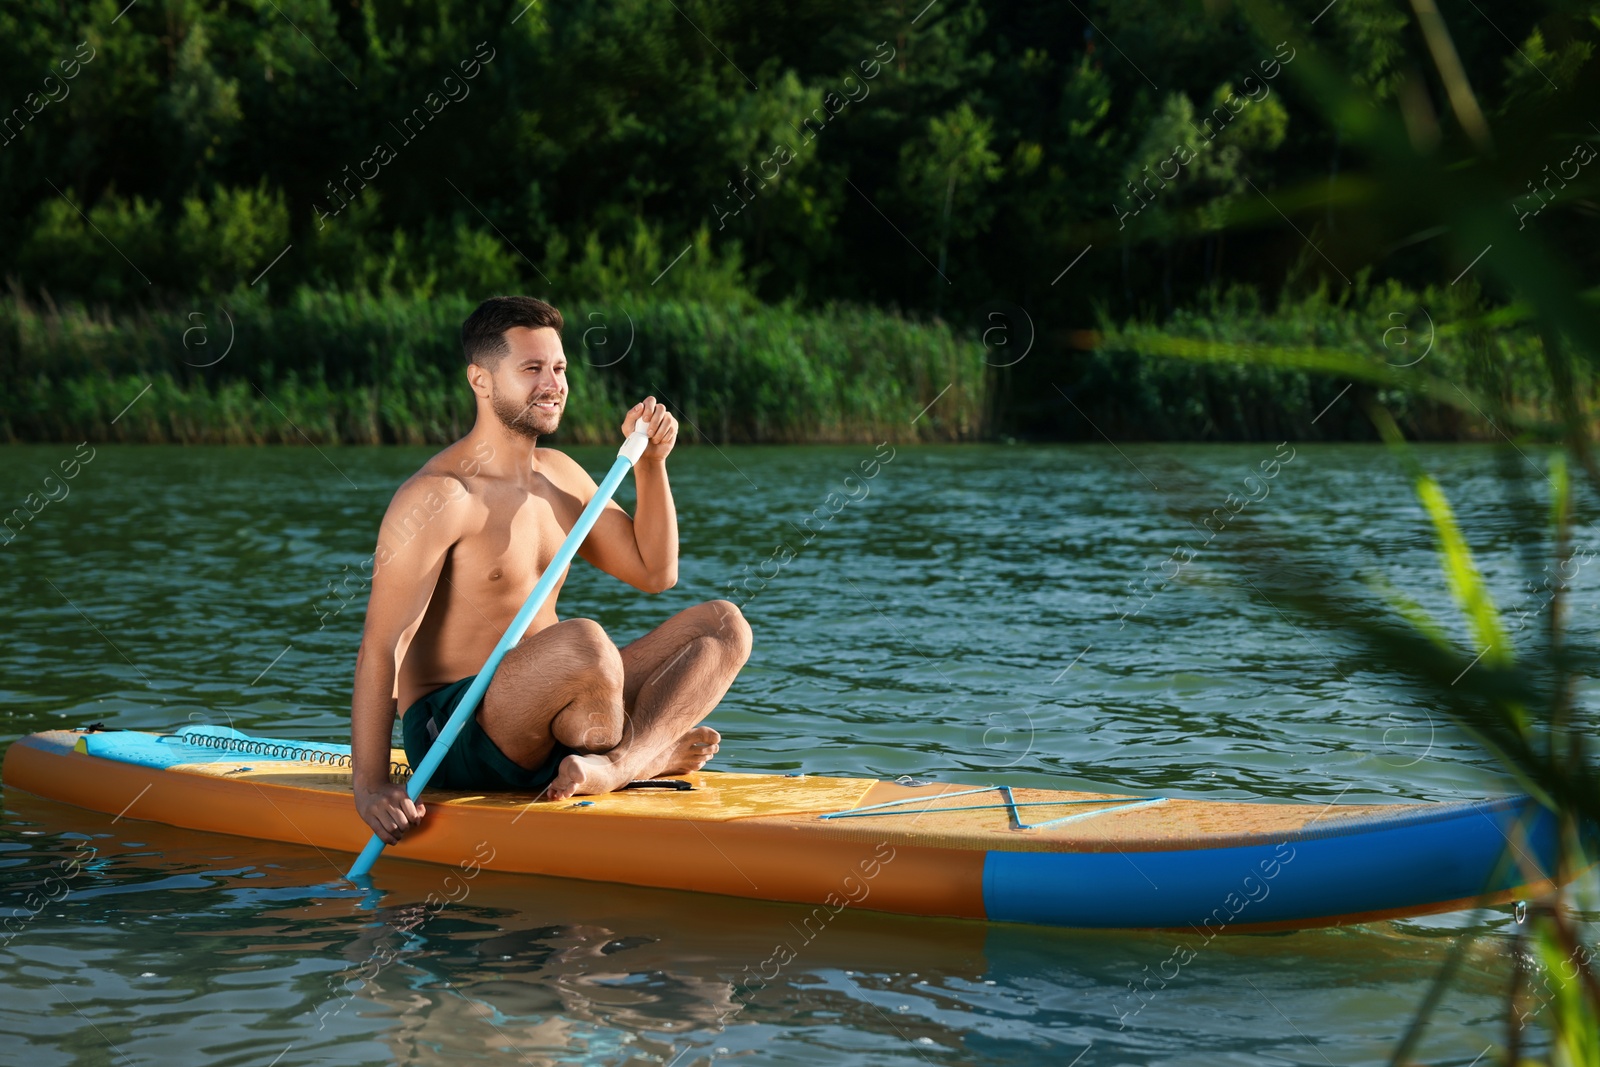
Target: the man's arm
(655, 522)
(643, 550)
(412, 543)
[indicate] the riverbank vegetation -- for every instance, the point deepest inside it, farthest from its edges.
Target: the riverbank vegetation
(373, 368)
(1002, 179)
(1444, 361)
(327, 366)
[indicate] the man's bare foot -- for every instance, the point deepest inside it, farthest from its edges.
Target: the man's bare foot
(691, 752)
(587, 776)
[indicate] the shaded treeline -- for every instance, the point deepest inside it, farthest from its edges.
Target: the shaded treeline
(945, 161)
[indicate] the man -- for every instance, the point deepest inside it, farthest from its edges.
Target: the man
(461, 546)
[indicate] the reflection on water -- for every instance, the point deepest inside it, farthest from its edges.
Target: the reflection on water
(929, 629)
(185, 947)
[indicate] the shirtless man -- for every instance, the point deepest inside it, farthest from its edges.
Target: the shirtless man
(461, 546)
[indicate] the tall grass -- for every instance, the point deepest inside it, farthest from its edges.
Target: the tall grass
(331, 366)
(351, 367)
(1440, 361)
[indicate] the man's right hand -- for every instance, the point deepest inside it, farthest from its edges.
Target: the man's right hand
(389, 811)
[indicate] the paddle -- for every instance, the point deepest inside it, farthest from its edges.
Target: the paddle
(627, 456)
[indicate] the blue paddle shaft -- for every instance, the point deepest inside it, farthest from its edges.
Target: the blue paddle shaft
(421, 774)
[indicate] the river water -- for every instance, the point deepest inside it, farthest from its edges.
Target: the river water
(963, 615)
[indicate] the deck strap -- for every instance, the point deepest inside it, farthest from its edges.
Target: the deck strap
(1009, 804)
(872, 809)
(1118, 804)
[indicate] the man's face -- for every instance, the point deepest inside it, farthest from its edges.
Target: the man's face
(528, 390)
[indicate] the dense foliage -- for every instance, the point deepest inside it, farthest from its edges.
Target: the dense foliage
(949, 159)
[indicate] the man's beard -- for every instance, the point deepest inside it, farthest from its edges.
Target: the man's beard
(524, 418)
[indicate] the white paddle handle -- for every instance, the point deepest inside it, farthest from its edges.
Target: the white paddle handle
(636, 443)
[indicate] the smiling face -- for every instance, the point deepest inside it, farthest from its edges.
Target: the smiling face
(528, 385)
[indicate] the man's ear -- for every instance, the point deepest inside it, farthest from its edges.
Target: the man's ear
(479, 378)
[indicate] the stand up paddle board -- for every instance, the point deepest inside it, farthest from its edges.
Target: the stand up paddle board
(994, 852)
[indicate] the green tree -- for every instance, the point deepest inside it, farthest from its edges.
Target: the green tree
(949, 171)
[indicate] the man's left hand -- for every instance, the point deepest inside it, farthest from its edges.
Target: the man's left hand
(663, 428)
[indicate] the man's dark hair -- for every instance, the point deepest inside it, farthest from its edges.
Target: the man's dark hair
(483, 335)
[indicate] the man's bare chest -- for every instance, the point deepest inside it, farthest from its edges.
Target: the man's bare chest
(512, 545)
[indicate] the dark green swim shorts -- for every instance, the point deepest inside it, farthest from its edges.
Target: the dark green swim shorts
(474, 761)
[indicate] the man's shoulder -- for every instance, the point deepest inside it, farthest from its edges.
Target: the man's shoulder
(430, 482)
(441, 484)
(452, 469)
(429, 502)
(562, 468)
(438, 475)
